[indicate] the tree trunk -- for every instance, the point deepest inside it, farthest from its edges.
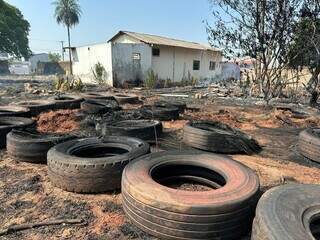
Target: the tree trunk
(70, 60)
(315, 93)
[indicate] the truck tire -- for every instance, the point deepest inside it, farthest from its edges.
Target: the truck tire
(37, 106)
(99, 106)
(148, 130)
(31, 146)
(92, 165)
(309, 144)
(123, 99)
(218, 137)
(96, 95)
(14, 111)
(160, 113)
(180, 105)
(222, 213)
(67, 102)
(288, 212)
(9, 123)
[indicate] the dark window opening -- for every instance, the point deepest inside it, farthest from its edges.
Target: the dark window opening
(196, 65)
(156, 52)
(212, 66)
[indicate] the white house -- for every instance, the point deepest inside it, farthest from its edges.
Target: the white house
(128, 56)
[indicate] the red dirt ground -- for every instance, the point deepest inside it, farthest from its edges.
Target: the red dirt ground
(62, 121)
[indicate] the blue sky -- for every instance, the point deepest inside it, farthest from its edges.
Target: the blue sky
(101, 19)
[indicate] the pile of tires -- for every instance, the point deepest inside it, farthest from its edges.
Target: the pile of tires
(67, 102)
(148, 130)
(31, 146)
(123, 99)
(160, 113)
(92, 165)
(37, 106)
(9, 123)
(218, 137)
(99, 106)
(309, 144)
(14, 111)
(180, 105)
(288, 212)
(224, 212)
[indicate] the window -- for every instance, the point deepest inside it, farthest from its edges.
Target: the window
(212, 66)
(156, 52)
(196, 65)
(136, 56)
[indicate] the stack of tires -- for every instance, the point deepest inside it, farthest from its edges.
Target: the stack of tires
(224, 212)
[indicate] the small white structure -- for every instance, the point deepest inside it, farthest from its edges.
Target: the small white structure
(20, 68)
(128, 56)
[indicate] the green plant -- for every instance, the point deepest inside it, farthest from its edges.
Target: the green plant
(99, 74)
(68, 83)
(151, 79)
(54, 57)
(167, 83)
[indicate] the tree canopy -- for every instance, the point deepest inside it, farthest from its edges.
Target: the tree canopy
(14, 31)
(67, 12)
(261, 29)
(54, 57)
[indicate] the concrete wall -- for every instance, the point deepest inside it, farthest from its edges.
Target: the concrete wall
(125, 67)
(177, 63)
(84, 59)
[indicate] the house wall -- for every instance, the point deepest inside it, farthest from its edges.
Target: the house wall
(176, 63)
(84, 59)
(125, 67)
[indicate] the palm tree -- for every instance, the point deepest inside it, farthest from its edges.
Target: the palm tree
(67, 13)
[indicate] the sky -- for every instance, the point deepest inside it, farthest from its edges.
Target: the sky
(101, 19)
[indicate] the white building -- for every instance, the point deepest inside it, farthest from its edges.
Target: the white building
(128, 56)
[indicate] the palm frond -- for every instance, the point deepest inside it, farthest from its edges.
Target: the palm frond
(67, 12)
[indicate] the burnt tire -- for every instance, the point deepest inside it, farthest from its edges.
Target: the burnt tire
(96, 95)
(32, 146)
(180, 105)
(148, 130)
(288, 212)
(99, 106)
(167, 213)
(37, 106)
(309, 144)
(14, 111)
(160, 113)
(123, 99)
(9, 123)
(67, 102)
(92, 165)
(219, 138)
